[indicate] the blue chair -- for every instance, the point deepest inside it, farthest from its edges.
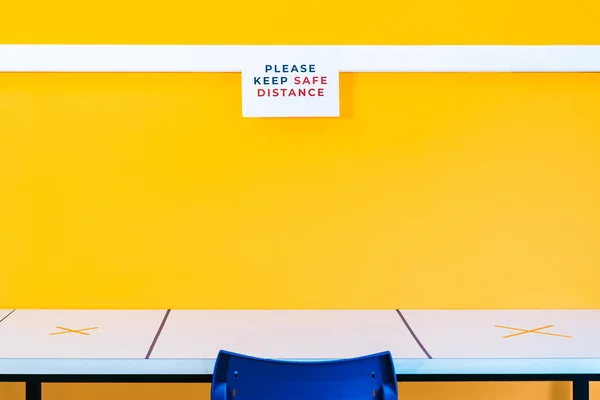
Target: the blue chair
(241, 377)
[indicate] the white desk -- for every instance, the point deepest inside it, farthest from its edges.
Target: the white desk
(474, 344)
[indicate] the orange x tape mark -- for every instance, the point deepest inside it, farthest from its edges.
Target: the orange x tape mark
(67, 330)
(536, 330)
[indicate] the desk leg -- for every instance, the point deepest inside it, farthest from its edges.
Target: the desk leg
(33, 390)
(581, 389)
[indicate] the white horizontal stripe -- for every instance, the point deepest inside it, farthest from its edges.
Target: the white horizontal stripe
(190, 366)
(192, 58)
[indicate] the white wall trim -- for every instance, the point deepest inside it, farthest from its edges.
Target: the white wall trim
(193, 58)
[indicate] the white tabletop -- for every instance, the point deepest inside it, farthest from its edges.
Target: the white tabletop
(187, 342)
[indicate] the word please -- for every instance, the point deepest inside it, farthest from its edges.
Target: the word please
(286, 68)
(298, 80)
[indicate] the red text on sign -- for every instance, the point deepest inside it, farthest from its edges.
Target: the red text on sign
(310, 80)
(285, 92)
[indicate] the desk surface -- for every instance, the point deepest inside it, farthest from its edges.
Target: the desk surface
(187, 341)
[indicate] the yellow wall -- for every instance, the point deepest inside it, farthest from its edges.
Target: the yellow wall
(466, 190)
(306, 22)
(432, 191)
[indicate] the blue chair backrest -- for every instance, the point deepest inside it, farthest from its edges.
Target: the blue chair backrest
(241, 377)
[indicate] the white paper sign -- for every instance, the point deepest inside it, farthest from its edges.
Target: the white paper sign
(296, 83)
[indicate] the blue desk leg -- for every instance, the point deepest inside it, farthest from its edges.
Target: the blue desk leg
(581, 389)
(33, 389)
